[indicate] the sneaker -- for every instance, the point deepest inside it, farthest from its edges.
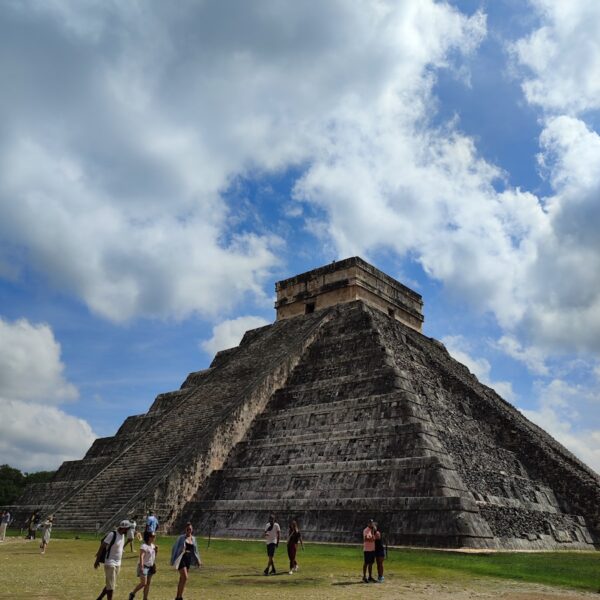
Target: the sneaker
(297, 568)
(266, 571)
(371, 580)
(291, 573)
(273, 571)
(365, 580)
(380, 579)
(131, 595)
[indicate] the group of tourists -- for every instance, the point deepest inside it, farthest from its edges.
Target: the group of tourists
(110, 554)
(185, 553)
(272, 535)
(34, 523)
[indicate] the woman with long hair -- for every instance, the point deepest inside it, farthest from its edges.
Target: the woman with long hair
(185, 555)
(294, 538)
(146, 567)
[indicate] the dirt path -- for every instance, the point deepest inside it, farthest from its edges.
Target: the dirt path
(478, 590)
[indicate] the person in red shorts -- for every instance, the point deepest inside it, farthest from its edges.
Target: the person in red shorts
(369, 552)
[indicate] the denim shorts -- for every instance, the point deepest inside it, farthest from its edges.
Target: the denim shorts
(143, 572)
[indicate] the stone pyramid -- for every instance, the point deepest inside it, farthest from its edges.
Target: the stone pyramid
(340, 411)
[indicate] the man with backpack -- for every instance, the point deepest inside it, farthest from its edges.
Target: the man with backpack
(110, 553)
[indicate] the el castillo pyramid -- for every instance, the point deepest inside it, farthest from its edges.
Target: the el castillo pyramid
(340, 411)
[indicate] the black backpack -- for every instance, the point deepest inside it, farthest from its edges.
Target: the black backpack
(106, 549)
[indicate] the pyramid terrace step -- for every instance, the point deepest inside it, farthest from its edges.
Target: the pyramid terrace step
(375, 465)
(369, 503)
(360, 431)
(299, 455)
(273, 496)
(384, 373)
(340, 430)
(394, 398)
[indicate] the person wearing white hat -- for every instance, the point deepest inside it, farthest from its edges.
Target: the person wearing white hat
(110, 553)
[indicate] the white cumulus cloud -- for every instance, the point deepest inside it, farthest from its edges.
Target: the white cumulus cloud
(228, 334)
(562, 56)
(34, 433)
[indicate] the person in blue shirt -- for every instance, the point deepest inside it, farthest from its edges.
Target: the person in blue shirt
(151, 525)
(185, 555)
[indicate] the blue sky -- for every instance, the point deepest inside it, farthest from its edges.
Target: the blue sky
(161, 166)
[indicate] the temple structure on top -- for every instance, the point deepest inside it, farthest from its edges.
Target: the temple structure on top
(340, 411)
(347, 281)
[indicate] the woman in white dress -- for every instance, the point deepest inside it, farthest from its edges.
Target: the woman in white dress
(47, 527)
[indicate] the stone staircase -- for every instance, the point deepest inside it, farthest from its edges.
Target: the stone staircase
(342, 441)
(165, 464)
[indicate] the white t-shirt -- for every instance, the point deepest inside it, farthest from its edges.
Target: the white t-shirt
(271, 536)
(113, 558)
(149, 557)
(131, 530)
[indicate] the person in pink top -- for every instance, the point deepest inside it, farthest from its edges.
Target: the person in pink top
(369, 551)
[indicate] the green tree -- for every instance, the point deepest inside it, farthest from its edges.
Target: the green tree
(13, 482)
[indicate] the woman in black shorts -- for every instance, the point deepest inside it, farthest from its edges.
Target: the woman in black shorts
(185, 555)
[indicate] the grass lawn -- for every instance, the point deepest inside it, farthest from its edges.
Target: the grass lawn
(234, 569)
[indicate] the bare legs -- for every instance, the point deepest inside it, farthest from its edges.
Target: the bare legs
(183, 577)
(379, 560)
(143, 584)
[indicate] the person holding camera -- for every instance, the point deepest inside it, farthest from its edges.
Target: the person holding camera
(146, 566)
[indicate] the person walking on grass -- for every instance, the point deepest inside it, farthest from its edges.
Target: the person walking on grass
(294, 537)
(146, 567)
(32, 524)
(379, 552)
(47, 527)
(131, 533)
(368, 551)
(185, 555)
(110, 553)
(151, 525)
(4, 523)
(271, 535)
